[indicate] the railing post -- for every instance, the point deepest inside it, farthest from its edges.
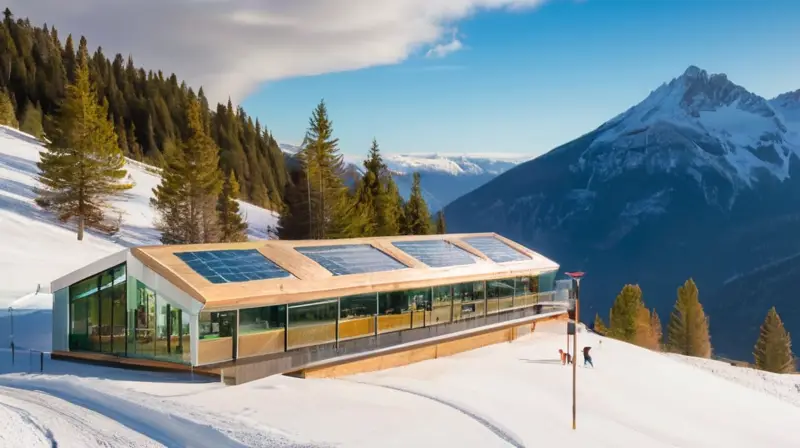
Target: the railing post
(12, 353)
(41, 362)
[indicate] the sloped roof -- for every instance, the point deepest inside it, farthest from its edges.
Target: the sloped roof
(305, 279)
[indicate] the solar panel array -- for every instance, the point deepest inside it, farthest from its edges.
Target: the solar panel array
(496, 250)
(351, 259)
(231, 266)
(436, 253)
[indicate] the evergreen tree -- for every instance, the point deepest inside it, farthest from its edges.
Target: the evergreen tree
(232, 228)
(441, 226)
(655, 328)
(687, 332)
(83, 166)
(599, 326)
(32, 121)
(773, 350)
(646, 335)
(625, 315)
(148, 108)
(322, 163)
(7, 115)
(417, 215)
(190, 186)
(390, 207)
(294, 222)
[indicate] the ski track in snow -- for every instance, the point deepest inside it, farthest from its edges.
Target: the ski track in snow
(88, 414)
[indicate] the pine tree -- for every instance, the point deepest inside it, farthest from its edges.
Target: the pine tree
(322, 164)
(647, 335)
(190, 186)
(83, 166)
(232, 228)
(599, 326)
(441, 226)
(7, 115)
(624, 322)
(32, 121)
(687, 332)
(417, 215)
(655, 328)
(391, 216)
(773, 350)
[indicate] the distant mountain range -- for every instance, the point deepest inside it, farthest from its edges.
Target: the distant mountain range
(701, 179)
(445, 177)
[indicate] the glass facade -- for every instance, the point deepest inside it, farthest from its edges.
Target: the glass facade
(97, 313)
(116, 314)
(104, 319)
(312, 323)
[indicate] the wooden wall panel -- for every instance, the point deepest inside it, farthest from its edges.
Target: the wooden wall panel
(262, 343)
(214, 350)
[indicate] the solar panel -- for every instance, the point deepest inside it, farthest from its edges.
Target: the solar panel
(496, 250)
(231, 266)
(436, 253)
(351, 259)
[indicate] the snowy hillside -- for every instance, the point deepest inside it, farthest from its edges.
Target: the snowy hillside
(700, 179)
(514, 394)
(36, 248)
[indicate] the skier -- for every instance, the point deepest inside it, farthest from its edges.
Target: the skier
(587, 358)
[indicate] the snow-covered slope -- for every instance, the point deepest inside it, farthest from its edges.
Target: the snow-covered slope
(700, 180)
(35, 248)
(512, 394)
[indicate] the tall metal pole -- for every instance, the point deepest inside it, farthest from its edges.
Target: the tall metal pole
(576, 277)
(575, 349)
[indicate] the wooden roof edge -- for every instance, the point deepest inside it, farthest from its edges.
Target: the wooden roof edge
(162, 270)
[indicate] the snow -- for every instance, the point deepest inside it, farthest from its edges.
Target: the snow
(706, 109)
(510, 394)
(455, 164)
(37, 248)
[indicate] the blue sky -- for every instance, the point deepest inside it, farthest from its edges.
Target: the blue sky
(526, 82)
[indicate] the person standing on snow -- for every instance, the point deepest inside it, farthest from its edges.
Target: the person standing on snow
(587, 358)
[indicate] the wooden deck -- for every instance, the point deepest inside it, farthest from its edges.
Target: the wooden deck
(110, 360)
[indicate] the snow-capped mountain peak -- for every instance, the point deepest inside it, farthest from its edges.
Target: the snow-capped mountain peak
(695, 123)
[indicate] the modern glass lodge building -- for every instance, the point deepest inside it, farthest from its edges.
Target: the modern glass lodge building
(275, 306)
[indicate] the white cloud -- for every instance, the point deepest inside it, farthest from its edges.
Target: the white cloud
(231, 46)
(442, 50)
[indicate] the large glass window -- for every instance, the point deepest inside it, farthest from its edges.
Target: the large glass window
(420, 300)
(500, 295)
(217, 333)
(547, 282)
(523, 294)
(394, 311)
(441, 305)
(262, 330)
(468, 300)
(143, 321)
(217, 324)
(266, 318)
(312, 323)
(94, 325)
(357, 316)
